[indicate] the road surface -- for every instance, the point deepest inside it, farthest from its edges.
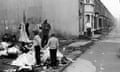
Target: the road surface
(102, 57)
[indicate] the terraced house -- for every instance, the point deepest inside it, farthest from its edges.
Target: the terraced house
(97, 15)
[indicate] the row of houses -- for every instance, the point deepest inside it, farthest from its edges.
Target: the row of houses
(67, 17)
(97, 15)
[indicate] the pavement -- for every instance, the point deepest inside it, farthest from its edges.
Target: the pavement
(79, 43)
(103, 56)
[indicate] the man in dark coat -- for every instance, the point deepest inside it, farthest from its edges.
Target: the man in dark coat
(45, 32)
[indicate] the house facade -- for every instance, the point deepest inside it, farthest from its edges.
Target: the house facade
(97, 15)
(89, 6)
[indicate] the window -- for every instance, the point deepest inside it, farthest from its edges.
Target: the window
(95, 22)
(88, 18)
(87, 1)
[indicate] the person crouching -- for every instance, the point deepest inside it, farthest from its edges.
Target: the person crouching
(53, 43)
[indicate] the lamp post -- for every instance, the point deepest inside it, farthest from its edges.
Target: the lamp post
(24, 16)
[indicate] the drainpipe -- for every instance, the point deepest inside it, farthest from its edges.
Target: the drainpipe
(81, 17)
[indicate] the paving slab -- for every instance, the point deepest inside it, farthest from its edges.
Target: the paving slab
(79, 43)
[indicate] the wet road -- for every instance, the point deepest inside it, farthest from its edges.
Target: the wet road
(102, 57)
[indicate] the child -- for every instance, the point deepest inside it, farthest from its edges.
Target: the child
(37, 45)
(53, 43)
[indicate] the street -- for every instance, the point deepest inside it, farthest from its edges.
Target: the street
(60, 35)
(102, 57)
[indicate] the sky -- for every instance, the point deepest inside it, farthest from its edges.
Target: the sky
(113, 6)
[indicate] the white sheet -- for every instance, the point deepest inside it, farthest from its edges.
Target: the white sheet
(29, 58)
(23, 35)
(25, 59)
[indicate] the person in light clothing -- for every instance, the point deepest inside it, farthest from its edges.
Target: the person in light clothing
(53, 43)
(88, 28)
(37, 45)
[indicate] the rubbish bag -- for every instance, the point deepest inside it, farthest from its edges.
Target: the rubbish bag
(13, 50)
(46, 54)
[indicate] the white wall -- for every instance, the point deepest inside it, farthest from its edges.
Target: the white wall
(62, 14)
(12, 11)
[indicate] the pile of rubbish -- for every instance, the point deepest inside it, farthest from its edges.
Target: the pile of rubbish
(6, 49)
(25, 56)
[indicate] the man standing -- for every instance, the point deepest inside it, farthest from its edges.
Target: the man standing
(53, 43)
(45, 32)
